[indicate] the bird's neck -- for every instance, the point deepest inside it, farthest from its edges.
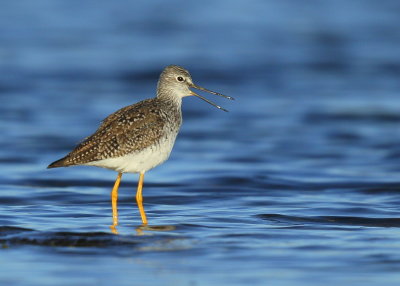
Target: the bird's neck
(169, 97)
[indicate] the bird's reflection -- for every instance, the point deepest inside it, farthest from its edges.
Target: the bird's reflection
(141, 230)
(114, 229)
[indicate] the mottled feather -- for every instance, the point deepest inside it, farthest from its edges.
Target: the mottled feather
(141, 136)
(128, 130)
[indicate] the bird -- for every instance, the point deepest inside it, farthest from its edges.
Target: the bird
(138, 137)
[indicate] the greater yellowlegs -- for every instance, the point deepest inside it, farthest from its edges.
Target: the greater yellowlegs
(138, 137)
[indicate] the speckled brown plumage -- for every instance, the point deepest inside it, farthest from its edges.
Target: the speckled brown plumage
(141, 136)
(128, 130)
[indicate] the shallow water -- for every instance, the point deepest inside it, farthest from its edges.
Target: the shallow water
(299, 184)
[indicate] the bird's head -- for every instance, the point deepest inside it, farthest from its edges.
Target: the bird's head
(175, 82)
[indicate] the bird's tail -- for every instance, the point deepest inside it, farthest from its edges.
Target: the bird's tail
(59, 163)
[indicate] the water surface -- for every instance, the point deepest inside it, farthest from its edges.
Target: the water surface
(297, 185)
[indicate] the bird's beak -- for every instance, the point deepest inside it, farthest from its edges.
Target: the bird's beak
(209, 91)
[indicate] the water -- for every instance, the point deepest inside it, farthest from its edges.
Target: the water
(298, 185)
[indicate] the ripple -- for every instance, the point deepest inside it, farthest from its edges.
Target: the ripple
(31, 237)
(355, 116)
(335, 220)
(155, 241)
(16, 160)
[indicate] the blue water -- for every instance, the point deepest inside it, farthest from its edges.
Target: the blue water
(299, 184)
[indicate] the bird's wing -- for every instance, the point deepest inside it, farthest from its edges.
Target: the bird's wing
(130, 129)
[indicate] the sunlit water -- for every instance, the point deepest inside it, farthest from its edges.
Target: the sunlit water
(299, 184)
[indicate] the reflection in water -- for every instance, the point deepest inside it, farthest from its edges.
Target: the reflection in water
(114, 228)
(140, 230)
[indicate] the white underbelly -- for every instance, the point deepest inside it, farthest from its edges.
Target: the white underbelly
(139, 162)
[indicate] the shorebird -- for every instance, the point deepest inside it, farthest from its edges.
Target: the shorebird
(140, 136)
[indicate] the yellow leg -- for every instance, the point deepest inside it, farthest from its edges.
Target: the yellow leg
(139, 198)
(114, 199)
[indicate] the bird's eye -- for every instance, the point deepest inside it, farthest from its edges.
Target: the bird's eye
(179, 78)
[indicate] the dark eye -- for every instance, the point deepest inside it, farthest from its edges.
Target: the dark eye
(179, 78)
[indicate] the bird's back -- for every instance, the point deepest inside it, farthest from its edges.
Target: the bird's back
(127, 131)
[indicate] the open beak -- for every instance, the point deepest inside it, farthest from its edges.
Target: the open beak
(209, 91)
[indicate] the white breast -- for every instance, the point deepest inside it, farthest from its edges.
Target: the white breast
(140, 161)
